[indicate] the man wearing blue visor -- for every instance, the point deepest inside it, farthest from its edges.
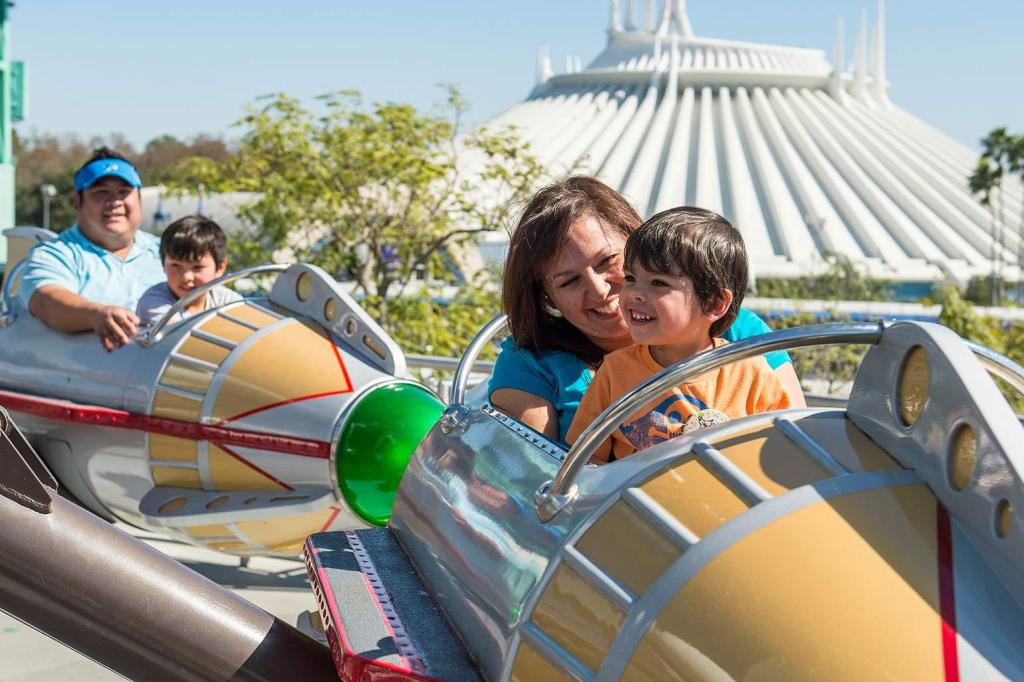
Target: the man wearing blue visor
(93, 275)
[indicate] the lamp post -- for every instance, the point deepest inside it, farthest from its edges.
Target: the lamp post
(47, 192)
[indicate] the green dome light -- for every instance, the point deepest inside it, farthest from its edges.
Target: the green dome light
(381, 432)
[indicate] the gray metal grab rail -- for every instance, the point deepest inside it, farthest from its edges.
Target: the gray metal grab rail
(554, 495)
(11, 278)
(999, 365)
(466, 365)
(151, 336)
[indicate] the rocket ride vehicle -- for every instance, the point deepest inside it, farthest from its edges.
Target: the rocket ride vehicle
(243, 429)
(879, 540)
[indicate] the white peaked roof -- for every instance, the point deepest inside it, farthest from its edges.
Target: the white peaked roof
(805, 156)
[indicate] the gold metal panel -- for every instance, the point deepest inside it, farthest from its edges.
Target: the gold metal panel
(203, 350)
(186, 377)
(913, 385)
(532, 667)
(285, 364)
(228, 473)
(216, 530)
(847, 444)
(248, 312)
(628, 547)
(772, 460)
(173, 406)
(285, 533)
(226, 329)
(174, 477)
(846, 589)
(695, 497)
(171, 448)
(577, 616)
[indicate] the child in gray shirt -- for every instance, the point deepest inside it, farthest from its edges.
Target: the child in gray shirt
(193, 251)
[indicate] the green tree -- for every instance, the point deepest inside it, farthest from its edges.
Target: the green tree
(377, 194)
(985, 181)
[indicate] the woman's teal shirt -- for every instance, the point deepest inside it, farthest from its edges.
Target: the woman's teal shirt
(562, 378)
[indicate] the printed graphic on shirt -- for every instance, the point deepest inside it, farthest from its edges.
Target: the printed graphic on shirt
(671, 417)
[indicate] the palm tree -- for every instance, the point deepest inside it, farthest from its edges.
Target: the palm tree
(984, 180)
(1015, 151)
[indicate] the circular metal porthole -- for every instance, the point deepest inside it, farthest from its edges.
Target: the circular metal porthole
(913, 393)
(330, 309)
(304, 287)
(1004, 518)
(963, 457)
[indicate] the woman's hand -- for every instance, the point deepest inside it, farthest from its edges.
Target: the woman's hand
(531, 410)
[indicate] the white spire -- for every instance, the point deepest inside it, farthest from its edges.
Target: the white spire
(860, 69)
(682, 21)
(544, 70)
(615, 24)
(630, 15)
(878, 87)
(649, 16)
(836, 88)
(666, 18)
(656, 69)
(673, 66)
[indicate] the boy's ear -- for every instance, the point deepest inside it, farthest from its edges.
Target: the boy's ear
(721, 305)
(222, 267)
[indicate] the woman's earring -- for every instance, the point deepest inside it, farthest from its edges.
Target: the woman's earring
(552, 311)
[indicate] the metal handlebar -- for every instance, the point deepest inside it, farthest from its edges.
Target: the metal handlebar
(10, 279)
(999, 365)
(151, 336)
(554, 495)
(462, 372)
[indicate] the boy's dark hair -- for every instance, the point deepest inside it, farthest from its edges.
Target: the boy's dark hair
(191, 238)
(699, 244)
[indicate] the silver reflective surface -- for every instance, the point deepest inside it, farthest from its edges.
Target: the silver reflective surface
(465, 515)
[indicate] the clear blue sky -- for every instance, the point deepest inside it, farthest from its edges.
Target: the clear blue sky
(182, 67)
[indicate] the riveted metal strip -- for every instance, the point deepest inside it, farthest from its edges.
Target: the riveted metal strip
(731, 475)
(802, 440)
(554, 653)
(591, 572)
(656, 514)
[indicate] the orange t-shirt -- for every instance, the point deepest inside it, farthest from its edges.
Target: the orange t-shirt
(735, 390)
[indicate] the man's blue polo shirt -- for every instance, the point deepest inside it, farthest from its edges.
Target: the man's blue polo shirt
(87, 269)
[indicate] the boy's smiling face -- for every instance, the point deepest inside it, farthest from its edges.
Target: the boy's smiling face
(184, 275)
(663, 311)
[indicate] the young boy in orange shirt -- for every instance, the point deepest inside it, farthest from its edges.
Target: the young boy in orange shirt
(686, 273)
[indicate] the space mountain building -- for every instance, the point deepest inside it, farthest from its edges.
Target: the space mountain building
(807, 157)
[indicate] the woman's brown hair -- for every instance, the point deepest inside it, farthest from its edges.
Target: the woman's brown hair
(542, 230)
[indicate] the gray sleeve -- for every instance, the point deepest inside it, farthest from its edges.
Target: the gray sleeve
(154, 304)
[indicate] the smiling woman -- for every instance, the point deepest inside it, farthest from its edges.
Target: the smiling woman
(561, 288)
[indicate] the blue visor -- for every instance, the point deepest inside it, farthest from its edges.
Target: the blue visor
(87, 177)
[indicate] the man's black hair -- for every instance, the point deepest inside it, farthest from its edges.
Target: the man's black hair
(192, 237)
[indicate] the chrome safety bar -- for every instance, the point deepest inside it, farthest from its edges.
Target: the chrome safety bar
(151, 336)
(554, 495)
(468, 362)
(10, 279)
(999, 365)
